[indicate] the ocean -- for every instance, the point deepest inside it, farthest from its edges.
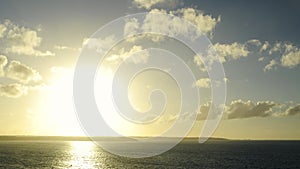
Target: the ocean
(188, 154)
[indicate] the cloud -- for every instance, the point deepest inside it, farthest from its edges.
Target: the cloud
(13, 90)
(2, 30)
(148, 4)
(261, 59)
(231, 51)
(203, 83)
(21, 72)
(24, 74)
(293, 110)
(291, 59)
(100, 45)
(289, 54)
(206, 23)
(22, 41)
(271, 65)
(131, 27)
(165, 24)
(214, 110)
(203, 111)
(239, 109)
(173, 26)
(205, 61)
(3, 62)
(254, 42)
(136, 55)
(264, 47)
(276, 48)
(60, 47)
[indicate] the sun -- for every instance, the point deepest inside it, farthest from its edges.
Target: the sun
(61, 114)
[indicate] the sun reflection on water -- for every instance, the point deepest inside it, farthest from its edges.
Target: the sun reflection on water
(82, 155)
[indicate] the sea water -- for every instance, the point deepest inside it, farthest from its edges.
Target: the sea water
(188, 154)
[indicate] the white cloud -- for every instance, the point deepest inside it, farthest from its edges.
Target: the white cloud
(289, 47)
(2, 30)
(203, 83)
(163, 24)
(100, 45)
(291, 59)
(13, 90)
(23, 41)
(131, 27)
(271, 65)
(3, 62)
(264, 47)
(61, 47)
(206, 23)
(254, 42)
(239, 109)
(288, 53)
(275, 48)
(136, 55)
(231, 51)
(148, 4)
(199, 63)
(21, 72)
(261, 59)
(173, 26)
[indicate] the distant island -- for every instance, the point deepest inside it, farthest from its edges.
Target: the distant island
(83, 138)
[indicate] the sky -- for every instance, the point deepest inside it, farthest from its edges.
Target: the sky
(257, 42)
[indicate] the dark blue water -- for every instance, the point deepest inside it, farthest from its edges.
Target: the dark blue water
(212, 154)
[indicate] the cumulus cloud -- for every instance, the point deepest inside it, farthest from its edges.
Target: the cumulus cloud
(254, 42)
(100, 45)
(239, 109)
(13, 90)
(148, 4)
(131, 27)
(2, 30)
(165, 24)
(173, 26)
(289, 54)
(264, 47)
(22, 41)
(209, 111)
(207, 59)
(291, 59)
(203, 83)
(136, 55)
(293, 110)
(231, 51)
(21, 72)
(271, 65)
(276, 48)
(203, 111)
(3, 62)
(206, 23)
